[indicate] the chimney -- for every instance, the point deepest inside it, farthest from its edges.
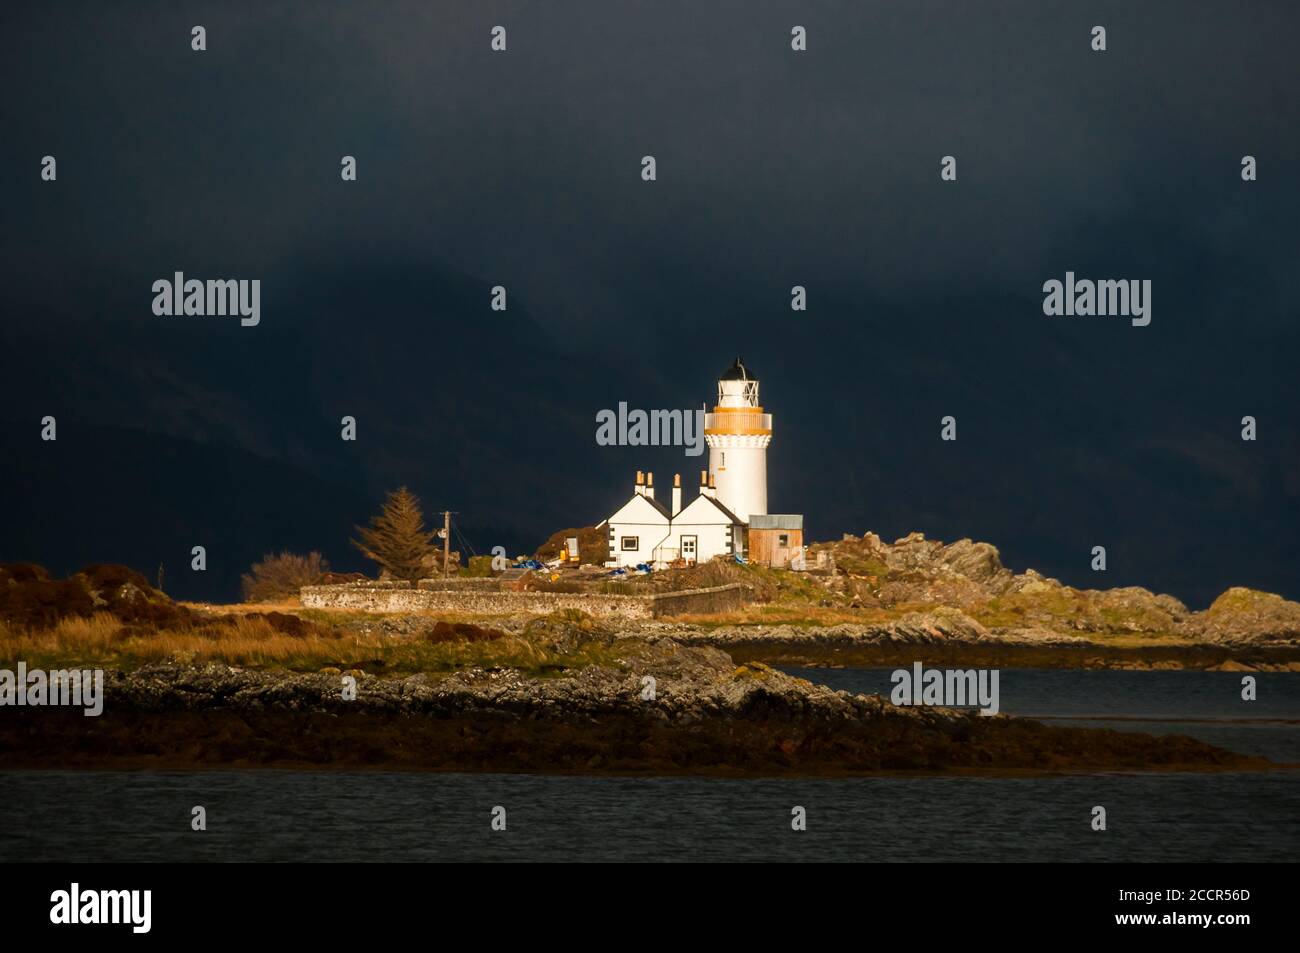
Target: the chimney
(640, 483)
(713, 487)
(650, 485)
(677, 493)
(704, 483)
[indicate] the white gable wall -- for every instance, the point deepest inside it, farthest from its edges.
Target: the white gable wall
(711, 539)
(711, 528)
(640, 519)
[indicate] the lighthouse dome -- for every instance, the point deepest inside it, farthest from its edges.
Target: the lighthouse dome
(737, 372)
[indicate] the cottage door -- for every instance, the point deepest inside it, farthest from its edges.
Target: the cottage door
(688, 549)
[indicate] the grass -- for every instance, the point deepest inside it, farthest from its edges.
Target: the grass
(789, 614)
(1021, 609)
(349, 617)
(781, 585)
(1071, 611)
(862, 567)
(101, 641)
(242, 608)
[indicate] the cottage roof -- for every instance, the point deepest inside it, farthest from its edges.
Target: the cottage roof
(628, 509)
(776, 521)
(714, 505)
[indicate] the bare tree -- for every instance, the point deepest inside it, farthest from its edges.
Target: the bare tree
(282, 574)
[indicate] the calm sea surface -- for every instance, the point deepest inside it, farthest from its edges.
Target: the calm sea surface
(368, 816)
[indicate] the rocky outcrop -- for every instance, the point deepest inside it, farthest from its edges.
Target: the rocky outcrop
(867, 572)
(940, 638)
(1036, 602)
(704, 715)
(1247, 616)
(29, 597)
(915, 569)
(914, 628)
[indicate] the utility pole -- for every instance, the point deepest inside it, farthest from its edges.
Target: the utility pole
(446, 539)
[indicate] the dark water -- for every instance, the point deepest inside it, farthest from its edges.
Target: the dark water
(1204, 705)
(287, 816)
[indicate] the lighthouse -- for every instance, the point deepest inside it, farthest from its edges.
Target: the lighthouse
(729, 517)
(738, 433)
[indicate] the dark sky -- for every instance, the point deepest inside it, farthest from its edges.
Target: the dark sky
(774, 168)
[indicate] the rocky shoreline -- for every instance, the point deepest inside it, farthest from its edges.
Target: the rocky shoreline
(948, 637)
(941, 636)
(705, 715)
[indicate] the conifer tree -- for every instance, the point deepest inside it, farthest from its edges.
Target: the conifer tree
(396, 539)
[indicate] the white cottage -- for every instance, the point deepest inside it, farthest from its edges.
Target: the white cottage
(644, 530)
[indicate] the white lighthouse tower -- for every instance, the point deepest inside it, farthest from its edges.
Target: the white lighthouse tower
(738, 433)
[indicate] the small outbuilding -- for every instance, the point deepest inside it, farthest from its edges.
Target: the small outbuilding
(775, 539)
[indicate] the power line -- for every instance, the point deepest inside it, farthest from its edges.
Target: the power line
(466, 542)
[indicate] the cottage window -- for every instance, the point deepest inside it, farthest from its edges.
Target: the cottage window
(631, 543)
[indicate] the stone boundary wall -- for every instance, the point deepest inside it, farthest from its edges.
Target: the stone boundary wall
(398, 597)
(701, 601)
(453, 583)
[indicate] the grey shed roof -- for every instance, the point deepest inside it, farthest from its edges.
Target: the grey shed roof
(776, 521)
